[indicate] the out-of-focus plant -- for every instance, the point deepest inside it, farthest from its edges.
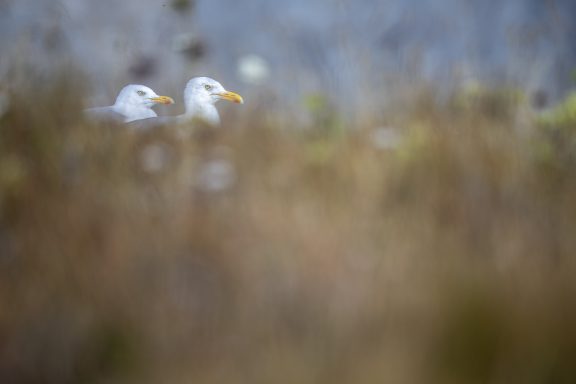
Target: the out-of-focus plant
(555, 145)
(264, 253)
(498, 103)
(183, 6)
(325, 116)
(562, 116)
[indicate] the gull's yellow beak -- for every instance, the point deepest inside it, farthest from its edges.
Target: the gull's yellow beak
(231, 96)
(162, 100)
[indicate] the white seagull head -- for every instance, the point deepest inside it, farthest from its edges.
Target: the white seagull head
(200, 96)
(135, 102)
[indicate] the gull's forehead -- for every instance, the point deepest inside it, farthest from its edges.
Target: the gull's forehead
(204, 81)
(142, 88)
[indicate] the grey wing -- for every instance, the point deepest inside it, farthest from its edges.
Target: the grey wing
(104, 114)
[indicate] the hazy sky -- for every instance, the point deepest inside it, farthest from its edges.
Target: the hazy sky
(336, 46)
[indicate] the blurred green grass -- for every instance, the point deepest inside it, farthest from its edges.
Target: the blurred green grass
(258, 253)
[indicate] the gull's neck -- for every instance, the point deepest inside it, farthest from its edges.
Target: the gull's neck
(206, 112)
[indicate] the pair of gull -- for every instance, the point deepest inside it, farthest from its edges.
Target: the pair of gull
(134, 104)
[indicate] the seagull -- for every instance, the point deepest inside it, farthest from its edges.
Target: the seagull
(134, 102)
(200, 96)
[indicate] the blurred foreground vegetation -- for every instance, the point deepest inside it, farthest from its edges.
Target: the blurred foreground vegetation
(257, 253)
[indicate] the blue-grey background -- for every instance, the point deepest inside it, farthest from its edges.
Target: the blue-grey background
(356, 52)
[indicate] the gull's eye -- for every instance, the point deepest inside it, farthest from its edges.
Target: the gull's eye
(208, 87)
(141, 93)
